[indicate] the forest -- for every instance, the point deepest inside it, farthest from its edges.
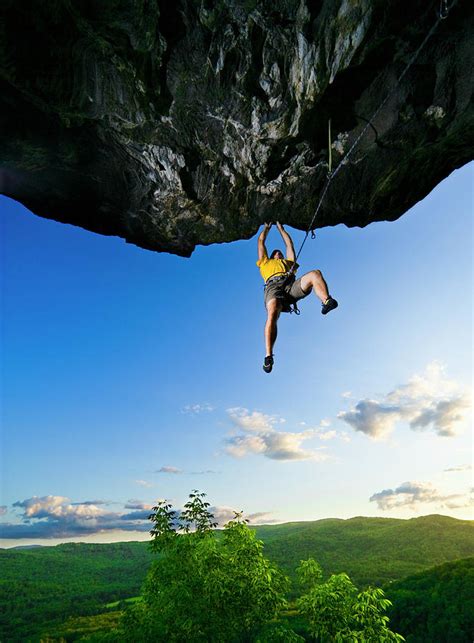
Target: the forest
(78, 591)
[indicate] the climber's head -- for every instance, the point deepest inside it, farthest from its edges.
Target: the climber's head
(277, 254)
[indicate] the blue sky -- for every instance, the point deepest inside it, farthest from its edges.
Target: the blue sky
(130, 375)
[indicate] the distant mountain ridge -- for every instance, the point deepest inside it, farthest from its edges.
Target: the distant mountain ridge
(42, 586)
(371, 550)
(27, 546)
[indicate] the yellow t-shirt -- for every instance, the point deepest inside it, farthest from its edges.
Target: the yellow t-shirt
(270, 267)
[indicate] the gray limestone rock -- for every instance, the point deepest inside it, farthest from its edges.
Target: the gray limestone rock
(172, 124)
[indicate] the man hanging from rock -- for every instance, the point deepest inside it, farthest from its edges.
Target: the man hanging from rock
(282, 289)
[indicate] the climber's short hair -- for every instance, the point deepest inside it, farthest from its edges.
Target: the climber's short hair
(272, 256)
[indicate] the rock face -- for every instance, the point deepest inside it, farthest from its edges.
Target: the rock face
(173, 123)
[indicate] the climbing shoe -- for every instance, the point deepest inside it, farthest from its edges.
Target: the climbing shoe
(268, 364)
(329, 304)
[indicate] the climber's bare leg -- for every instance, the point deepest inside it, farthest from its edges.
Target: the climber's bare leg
(271, 331)
(314, 280)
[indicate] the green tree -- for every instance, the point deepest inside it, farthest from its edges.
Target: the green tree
(337, 612)
(204, 588)
(437, 604)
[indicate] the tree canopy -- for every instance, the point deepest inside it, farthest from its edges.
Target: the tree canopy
(208, 588)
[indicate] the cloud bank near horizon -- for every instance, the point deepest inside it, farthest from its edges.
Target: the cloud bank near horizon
(49, 517)
(412, 494)
(57, 517)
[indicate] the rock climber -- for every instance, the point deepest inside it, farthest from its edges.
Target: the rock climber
(282, 289)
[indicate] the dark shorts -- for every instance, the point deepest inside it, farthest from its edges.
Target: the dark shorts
(287, 292)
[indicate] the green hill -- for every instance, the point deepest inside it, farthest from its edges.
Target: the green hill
(371, 550)
(43, 586)
(47, 584)
(435, 605)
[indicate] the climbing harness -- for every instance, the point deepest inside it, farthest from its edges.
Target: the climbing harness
(285, 280)
(444, 9)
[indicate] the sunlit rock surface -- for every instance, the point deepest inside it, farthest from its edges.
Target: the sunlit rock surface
(191, 122)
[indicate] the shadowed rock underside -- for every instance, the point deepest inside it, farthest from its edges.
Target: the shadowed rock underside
(173, 124)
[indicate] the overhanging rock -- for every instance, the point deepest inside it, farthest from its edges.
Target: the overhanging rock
(173, 124)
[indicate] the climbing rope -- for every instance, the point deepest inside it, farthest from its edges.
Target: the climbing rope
(329, 149)
(443, 12)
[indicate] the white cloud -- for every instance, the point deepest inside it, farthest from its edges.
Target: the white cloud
(273, 445)
(203, 472)
(346, 394)
(58, 517)
(442, 415)
(138, 504)
(195, 409)
(94, 502)
(430, 385)
(175, 470)
(58, 507)
(427, 401)
(253, 421)
(223, 514)
(327, 435)
(143, 483)
(460, 467)
(258, 436)
(3, 510)
(371, 417)
(261, 518)
(411, 494)
(168, 469)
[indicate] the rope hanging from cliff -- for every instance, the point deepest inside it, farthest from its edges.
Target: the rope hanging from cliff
(443, 12)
